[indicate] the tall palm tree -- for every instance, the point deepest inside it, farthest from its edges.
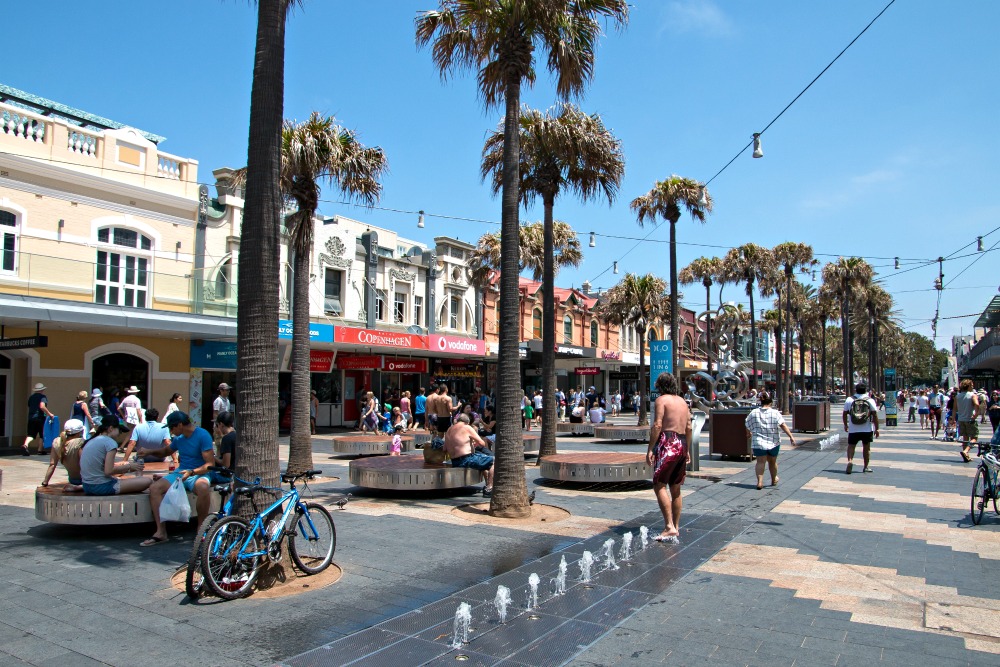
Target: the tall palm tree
(562, 150)
(316, 150)
(484, 260)
(877, 306)
(801, 318)
(497, 39)
(666, 200)
(792, 257)
(845, 276)
(637, 302)
(260, 245)
(750, 264)
(827, 309)
(706, 270)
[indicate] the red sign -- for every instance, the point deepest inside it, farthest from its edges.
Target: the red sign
(587, 370)
(609, 355)
(404, 365)
(359, 361)
(321, 361)
(471, 347)
(375, 338)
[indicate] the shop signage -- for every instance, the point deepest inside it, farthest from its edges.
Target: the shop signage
(472, 347)
(611, 356)
(404, 365)
(376, 338)
(22, 343)
(214, 354)
(587, 370)
(494, 349)
(318, 333)
(623, 375)
(659, 361)
(569, 349)
(321, 361)
(449, 368)
(358, 362)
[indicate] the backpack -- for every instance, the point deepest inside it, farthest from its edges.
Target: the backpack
(861, 411)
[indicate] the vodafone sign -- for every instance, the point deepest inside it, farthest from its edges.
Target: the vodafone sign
(405, 365)
(375, 338)
(472, 347)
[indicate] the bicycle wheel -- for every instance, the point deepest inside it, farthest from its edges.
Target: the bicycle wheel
(226, 573)
(194, 584)
(980, 495)
(313, 539)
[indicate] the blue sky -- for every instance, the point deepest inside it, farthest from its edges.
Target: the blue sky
(891, 153)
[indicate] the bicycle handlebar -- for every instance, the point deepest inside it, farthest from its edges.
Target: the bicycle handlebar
(290, 478)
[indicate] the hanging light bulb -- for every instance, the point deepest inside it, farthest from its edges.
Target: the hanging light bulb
(593, 240)
(420, 220)
(616, 268)
(979, 243)
(757, 150)
(897, 263)
(703, 200)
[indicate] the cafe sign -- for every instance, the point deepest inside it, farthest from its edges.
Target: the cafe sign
(587, 370)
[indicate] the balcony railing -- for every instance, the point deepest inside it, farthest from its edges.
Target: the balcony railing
(43, 276)
(986, 348)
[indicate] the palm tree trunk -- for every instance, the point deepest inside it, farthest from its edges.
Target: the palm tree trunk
(844, 322)
(257, 314)
(510, 491)
(675, 342)
(643, 380)
(802, 360)
(708, 327)
(753, 335)
(824, 355)
(300, 440)
(788, 346)
(550, 405)
(779, 362)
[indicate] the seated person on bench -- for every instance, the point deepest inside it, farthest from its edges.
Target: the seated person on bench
(97, 464)
(149, 435)
(463, 446)
(66, 450)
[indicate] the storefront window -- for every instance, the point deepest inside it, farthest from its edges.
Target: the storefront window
(536, 324)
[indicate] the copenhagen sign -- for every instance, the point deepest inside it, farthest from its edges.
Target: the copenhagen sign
(373, 337)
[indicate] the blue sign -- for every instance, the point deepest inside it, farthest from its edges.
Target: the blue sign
(214, 354)
(318, 333)
(660, 361)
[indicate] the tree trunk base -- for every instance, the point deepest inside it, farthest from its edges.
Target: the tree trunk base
(512, 512)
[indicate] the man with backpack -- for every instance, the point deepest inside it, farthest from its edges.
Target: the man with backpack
(861, 424)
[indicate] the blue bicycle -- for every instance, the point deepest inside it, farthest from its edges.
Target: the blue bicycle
(195, 579)
(234, 548)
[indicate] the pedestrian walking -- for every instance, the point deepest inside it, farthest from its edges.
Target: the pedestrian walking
(967, 409)
(668, 455)
(993, 409)
(38, 412)
(861, 424)
(764, 425)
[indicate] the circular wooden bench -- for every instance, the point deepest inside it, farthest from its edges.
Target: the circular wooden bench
(586, 428)
(531, 442)
(367, 445)
(636, 433)
(596, 467)
(410, 473)
(55, 506)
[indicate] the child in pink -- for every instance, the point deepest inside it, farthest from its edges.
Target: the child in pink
(397, 440)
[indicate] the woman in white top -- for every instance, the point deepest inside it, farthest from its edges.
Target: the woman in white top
(173, 406)
(923, 408)
(764, 426)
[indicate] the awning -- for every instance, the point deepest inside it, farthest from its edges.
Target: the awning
(991, 315)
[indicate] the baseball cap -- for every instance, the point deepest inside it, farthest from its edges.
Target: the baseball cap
(73, 426)
(223, 385)
(177, 418)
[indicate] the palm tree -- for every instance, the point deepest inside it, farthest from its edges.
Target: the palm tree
(846, 275)
(260, 243)
(827, 308)
(706, 270)
(497, 39)
(563, 149)
(877, 304)
(749, 264)
(484, 260)
(637, 302)
(666, 200)
(312, 151)
(791, 256)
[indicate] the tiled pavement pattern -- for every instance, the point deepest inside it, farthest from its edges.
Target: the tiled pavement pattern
(71, 597)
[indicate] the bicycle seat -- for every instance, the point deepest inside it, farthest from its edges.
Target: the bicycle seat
(246, 490)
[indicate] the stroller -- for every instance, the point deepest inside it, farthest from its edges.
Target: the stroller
(950, 428)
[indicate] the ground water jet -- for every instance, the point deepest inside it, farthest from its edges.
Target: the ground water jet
(463, 618)
(501, 602)
(643, 538)
(533, 593)
(586, 561)
(625, 553)
(608, 554)
(559, 583)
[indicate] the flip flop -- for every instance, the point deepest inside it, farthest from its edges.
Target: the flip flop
(152, 542)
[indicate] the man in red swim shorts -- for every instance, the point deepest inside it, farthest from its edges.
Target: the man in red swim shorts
(668, 453)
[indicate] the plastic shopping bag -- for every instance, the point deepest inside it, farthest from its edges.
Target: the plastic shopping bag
(175, 505)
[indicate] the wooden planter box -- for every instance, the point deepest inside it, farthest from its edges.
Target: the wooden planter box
(729, 434)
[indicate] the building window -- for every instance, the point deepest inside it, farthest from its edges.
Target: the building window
(593, 333)
(536, 324)
(418, 311)
(687, 343)
(399, 308)
(223, 281)
(568, 330)
(455, 304)
(122, 279)
(333, 284)
(379, 305)
(8, 234)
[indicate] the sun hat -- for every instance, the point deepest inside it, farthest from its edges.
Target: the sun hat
(96, 393)
(223, 385)
(73, 426)
(132, 390)
(40, 387)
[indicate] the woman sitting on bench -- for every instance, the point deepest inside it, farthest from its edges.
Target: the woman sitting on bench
(66, 450)
(97, 464)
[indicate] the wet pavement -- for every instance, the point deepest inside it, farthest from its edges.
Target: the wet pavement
(825, 568)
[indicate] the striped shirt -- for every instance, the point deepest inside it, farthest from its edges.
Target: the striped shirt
(764, 425)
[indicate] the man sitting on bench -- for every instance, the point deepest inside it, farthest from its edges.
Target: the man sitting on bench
(468, 450)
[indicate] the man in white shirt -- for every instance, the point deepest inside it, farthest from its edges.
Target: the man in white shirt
(861, 424)
(130, 408)
(221, 402)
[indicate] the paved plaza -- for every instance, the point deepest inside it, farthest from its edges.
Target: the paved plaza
(826, 568)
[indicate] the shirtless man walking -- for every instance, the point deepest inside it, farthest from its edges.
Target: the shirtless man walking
(461, 442)
(668, 454)
(442, 408)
